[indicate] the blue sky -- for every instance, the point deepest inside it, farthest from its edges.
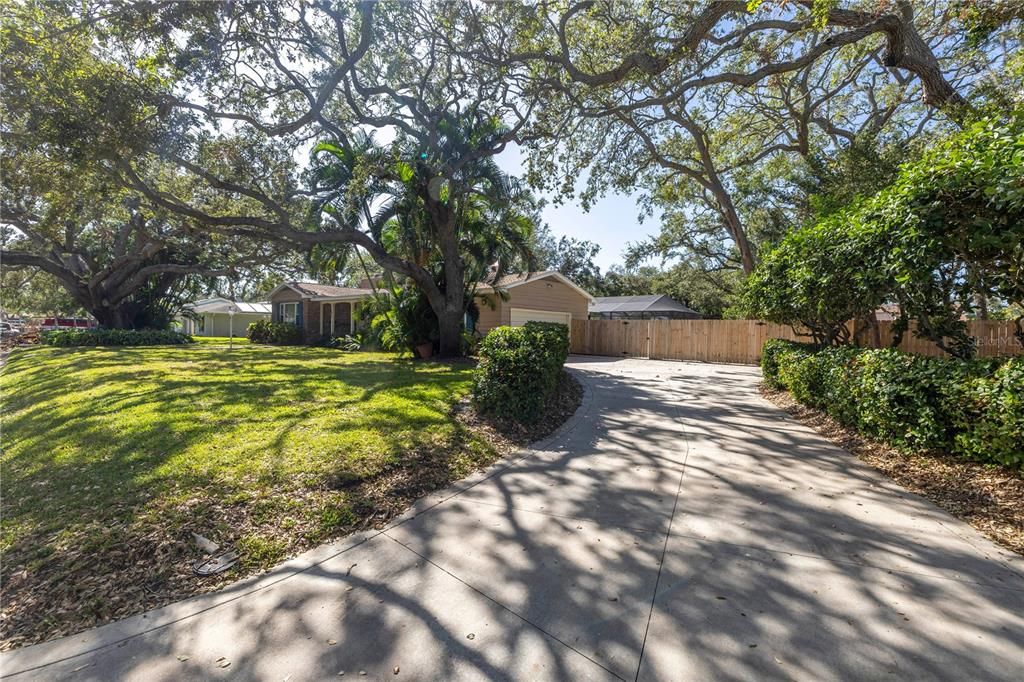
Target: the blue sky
(612, 222)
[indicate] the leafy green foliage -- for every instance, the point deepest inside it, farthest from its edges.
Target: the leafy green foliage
(401, 319)
(65, 97)
(975, 408)
(36, 293)
(350, 343)
(822, 276)
(442, 230)
(519, 368)
(902, 398)
(950, 228)
(114, 337)
(83, 117)
(962, 208)
(274, 333)
(771, 353)
(574, 258)
(991, 423)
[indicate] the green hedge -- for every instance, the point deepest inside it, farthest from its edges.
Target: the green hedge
(519, 369)
(991, 427)
(972, 408)
(114, 337)
(277, 333)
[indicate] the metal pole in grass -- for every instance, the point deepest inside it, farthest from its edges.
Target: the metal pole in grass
(231, 326)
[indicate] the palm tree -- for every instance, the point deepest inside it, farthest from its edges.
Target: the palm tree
(442, 210)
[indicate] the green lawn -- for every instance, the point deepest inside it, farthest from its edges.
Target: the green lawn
(220, 340)
(112, 457)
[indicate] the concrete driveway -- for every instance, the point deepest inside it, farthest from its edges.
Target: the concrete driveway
(678, 528)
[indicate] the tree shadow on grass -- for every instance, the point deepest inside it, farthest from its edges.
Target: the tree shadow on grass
(95, 483)
(781, 556)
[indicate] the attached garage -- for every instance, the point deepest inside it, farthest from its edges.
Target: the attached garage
(520, 316)
(513, 300)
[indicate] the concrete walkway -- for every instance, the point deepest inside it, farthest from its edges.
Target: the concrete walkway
(678, 528)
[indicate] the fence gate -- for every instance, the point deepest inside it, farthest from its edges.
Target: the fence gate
(621, 338)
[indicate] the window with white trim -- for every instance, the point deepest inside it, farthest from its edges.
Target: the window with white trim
(290, 312)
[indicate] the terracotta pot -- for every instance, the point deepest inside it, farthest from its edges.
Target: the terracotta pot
(425, 350)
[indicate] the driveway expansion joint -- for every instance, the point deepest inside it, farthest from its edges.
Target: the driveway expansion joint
(501, 605)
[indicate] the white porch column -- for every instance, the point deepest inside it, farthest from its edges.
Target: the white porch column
(321, 318)
(352, 317)
(332, 317)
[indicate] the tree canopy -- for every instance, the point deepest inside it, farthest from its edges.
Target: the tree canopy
(228, 132)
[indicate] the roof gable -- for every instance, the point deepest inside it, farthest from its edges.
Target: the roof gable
(513, 280)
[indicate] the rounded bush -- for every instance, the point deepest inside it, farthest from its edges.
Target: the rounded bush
(275, 333)
(519, 369)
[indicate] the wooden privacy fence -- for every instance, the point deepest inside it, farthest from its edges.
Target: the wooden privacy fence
(740, 341)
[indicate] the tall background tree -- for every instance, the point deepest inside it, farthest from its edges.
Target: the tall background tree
(70, 116)
(326, 74)
(726, 115)
(730, 117)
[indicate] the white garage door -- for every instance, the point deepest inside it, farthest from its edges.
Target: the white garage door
(521, 316)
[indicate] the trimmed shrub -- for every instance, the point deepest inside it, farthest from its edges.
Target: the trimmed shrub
(770, 352)
(798, 374)
(276, 333)
(900, 398)
(519, 369)
(992, 423)
(114, 337)
(973, 408)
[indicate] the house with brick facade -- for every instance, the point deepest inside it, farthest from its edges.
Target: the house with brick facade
(321, 310)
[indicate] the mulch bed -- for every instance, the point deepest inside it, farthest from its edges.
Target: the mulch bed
(509, 435)
(989, 497)
(139, 571)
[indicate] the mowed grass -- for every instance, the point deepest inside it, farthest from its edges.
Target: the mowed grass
(220, 340)
(112, 457)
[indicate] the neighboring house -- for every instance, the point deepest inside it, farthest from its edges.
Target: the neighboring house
(530, 296)
(652, 307)
(321, 310)
(212, 317)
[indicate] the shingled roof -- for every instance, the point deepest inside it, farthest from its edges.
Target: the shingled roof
(315, 290)
(512, 278)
